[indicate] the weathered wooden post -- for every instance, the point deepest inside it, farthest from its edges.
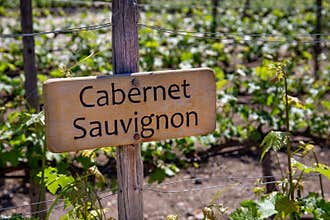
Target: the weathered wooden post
(317, 38)
(215, 4)
(247, 6)
(29, 56)
(31, 92)
(125, 49)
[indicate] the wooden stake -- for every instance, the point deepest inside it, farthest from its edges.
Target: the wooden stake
(317, 44)
(215, 4)
(31, 93)
(31, 89)
(125, 60)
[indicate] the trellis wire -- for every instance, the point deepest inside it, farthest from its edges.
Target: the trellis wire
(177, 5)
(62, 206)
(147, 187)
(207, 35)
(192, 34)
(77, 2)
(63, 31)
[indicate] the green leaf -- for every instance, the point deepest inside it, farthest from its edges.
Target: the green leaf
(274, 140)
(323, 169)
(294, 101)
(266, 208)
(284, 206)
(54, 180)
(300, 166)
(315, 205)
(320, 168)
(36, 119)
(326, 104)
(221, 83)
(248, 211)
(264, 73)
(307, 55)
(172, 217)
(157, 176)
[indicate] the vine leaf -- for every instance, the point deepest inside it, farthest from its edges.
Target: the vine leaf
(55, 180)
(274, 140)
(320, 168)
(294, 101)
(172, 217)
(326, 104)
(266, 208)
(284, 206)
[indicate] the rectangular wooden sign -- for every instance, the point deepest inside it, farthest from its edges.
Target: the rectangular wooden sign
(91, 112)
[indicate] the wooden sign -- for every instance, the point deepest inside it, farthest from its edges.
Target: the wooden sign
(91, 112)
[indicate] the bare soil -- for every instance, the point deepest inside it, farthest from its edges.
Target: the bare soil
(231, 176)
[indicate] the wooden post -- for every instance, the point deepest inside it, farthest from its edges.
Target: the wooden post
(317, 38)
(215, 4)
(125, 60)
(268, 174)
(247, 6)
(31, 89)
(31, 93)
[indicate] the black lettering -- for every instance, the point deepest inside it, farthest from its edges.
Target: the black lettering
(185, 85)
(104, 97)
(136, 129)
(114, 91)
(125, 128)
(115, 128)
(180, 120)
(146, 121)
(80, 128)
(131, 93)
(145, 89)
(173, 89)
(156, 94)
(158, 117)
(188, 119)
(96, 131)
(81, 95)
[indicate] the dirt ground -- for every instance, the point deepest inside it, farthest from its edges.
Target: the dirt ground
(231, 176)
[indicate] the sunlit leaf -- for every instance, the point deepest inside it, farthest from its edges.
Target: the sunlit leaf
(294, 101)
(274, 140)
(266, 208)
(326, 104)
(284, 206)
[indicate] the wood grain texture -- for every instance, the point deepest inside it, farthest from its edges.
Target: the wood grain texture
(31, 89)
(31, 94)
(317, 49)
(125, 50)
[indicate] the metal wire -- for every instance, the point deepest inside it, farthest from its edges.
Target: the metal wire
(148, 187)
(222, 34)
(200, 188)
(62, 206)
(193, 34)
(201, 35)
(27, 205)
(175, 4)
(185, 190)
(62, 31)
(46, 201)
(221, 178)
(77, 2)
